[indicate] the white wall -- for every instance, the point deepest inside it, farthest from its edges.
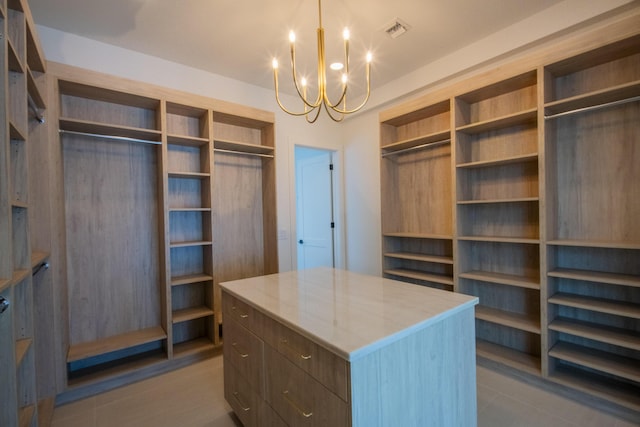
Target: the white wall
(356, 140)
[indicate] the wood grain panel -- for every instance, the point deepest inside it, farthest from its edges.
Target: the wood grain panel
(237, 217)
(115, 113)
(417, 193)
(499, 144)
(596, 153)
(112, 237)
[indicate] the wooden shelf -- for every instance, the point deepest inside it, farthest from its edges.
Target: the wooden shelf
(189, 209)
(610, 335)
(499, 239)
(242, 147)
(187, 141)
(617, 308)
(38, 257)
(193, 243)
(4, 284)
(491, 201)
(526, 117)
(187, 314)
(444, 135)
(35, 56)
(15, 64)
(189, 175)
(499, 162)
(19, 276)
(108, 130)
(115, 343)
(410, 235)
(420, 257)
(16, 133)
(596, 276)
(19, 204)
(419, 275)
(507, 318)
(508, 356)
(192, 347)
(503, 279)
(34, 92)
(22, 346)
(620, 393)
(594, 244)
(603, 361)
(604, 96)
(189, 279)
(25, 415)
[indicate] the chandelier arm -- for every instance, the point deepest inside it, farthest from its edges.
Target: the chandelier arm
(345, 111)
(311, 121)
(282, 107)
(330, 114)
(295, 81)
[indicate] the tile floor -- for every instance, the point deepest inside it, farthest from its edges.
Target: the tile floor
(193, 397)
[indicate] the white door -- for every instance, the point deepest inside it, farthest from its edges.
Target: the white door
(314, 208)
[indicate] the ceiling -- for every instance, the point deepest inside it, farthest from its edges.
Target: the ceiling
(238, 38)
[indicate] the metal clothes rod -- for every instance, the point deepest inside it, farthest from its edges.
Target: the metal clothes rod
(243, 153)
(36, 113)
(593, 107)
(115, 137)
(418, 147)
(39, 267)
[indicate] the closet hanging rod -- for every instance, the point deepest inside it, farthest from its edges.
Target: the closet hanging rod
(593, 107)
(39, 267)
(418, 147)
(245, 153)
(36, 113)
(114, 137)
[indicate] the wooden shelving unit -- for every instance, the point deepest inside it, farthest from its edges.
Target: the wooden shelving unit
(593, 239)
(417, 233)
(165, 195)
(19, 392)
(544, 211)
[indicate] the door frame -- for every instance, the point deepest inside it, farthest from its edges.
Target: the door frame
(338, 202)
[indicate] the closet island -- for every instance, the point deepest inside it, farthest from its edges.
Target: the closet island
(330, 347)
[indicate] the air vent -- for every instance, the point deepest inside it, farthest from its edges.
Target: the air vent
(396, 28)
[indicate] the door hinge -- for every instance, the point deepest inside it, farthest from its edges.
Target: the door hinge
(333, 225)
(331, 167)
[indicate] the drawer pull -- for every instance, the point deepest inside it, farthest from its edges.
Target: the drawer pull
(235, 347)
(244, 407)
(242, 315)
(295, 405)
(302, 356)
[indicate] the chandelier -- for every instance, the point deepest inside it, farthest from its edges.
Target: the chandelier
(311, 108)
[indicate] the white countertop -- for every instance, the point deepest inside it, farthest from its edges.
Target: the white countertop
(348, 313)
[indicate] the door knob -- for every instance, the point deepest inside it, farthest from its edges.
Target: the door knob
(4, 304)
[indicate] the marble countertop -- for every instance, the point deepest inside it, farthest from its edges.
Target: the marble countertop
(348, 313)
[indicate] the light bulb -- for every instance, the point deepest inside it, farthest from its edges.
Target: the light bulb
(274, 63)
(304, 82)
(292, 36)
(346, 34)
(369, 57)
(344, 78)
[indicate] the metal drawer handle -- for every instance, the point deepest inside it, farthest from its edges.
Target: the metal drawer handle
(242, 315)
(235, 347)
(244, 407)
(302, 356)
(295, 405)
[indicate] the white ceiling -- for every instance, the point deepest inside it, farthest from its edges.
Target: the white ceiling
(238, 38)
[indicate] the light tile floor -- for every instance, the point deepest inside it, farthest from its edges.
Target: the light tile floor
(193, 397)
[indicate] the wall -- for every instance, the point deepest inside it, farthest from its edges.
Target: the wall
(356, 140)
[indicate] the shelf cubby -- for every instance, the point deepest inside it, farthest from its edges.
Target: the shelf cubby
(508, 356)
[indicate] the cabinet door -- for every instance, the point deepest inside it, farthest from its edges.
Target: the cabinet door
(8, 393)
